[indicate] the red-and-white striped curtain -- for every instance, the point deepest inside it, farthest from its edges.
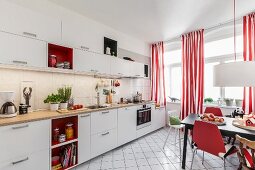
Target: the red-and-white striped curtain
(192, 73)
(157, 73)
(249, 55)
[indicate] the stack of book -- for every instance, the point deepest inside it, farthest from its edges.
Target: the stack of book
(68, 155)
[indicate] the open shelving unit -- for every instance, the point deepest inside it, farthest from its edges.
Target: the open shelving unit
(67, 150)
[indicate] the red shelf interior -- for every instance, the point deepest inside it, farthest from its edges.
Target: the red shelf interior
(58, 151)
(61, 123)
(62, 53)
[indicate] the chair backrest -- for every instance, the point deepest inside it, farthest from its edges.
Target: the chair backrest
(246, 158)
(208, 138)
(214, 110)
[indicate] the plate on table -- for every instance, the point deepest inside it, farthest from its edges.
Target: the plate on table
(240, 124)
(210, 118)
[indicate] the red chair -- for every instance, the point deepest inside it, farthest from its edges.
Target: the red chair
(214, 110)
(207, 138)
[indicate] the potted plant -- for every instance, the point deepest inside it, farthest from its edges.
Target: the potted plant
(229, 102)
(53, 100)
(64, 94)
(208, 100)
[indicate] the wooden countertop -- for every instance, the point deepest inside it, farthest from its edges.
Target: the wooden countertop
(44, 115)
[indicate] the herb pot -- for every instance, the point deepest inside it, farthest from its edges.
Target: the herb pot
(239, 102)
(63, 105)
(54, 106)
(229, 102)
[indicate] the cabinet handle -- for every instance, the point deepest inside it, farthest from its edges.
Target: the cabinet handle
(92, 70)
(19, 62)
(85, 48)
(107, 133)
(105, 112)
(29, 34)
(22, 160)
(20, 127)
(85, 115)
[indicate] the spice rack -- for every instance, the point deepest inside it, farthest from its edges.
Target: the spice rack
(65, 151)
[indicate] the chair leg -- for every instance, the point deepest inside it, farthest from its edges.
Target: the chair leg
(193, 155)
(203, 158)
(167, 137)
(224, 160)
(176, 130)
(180, 147)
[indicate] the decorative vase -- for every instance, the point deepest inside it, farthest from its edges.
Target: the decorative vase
(63, 105)
(239, 102)
(54, 106)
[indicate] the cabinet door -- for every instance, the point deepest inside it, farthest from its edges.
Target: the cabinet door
(91, 62)
(38, 160)
(19, 20)
(82, 35)
(103, 142)
(103, 120)
(20, 50)
(126, 124)
(137, 69)
(120, 67)
(158, 118)
(84, 138)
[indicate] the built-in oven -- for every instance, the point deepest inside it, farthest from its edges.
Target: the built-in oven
(143, 117)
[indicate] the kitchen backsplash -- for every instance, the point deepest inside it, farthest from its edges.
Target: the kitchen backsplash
(83, 86)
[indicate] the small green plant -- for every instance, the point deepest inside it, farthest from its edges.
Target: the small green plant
(53, 98)
(208, 100)
(65, 94)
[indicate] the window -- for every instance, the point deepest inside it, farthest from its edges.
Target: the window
(216, 52)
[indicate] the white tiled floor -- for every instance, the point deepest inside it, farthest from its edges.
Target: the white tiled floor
(147, 153)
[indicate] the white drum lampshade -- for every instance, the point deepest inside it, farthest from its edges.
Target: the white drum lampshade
(235, 74)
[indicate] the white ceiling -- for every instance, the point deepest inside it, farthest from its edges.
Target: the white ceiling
(156, 20)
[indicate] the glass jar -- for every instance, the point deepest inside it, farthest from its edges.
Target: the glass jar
(69, 131)
(55, 134)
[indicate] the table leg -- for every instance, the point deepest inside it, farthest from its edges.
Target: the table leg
(184, 147)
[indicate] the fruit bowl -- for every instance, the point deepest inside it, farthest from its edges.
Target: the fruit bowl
(209, 117)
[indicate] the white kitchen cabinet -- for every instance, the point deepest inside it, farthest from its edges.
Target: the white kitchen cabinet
(23, 139)
(23, 21)
(158, 118)
(91, 62)
(38, 160)
(126, 124)
(137, 69)
(103, 120)
(20, 50)
(120, 67)
(103, 142)
(81, 35)
(84, 138)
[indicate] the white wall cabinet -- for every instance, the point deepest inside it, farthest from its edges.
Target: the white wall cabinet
(25, 145)
(84, 138)
(137, 69)
(126, 124)
(91, 62)
(22, 21)
(120, 67)
(20, 50)
(81, 35)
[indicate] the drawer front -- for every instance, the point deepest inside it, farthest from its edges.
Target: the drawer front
(103, 142)
(24, 138)
(103, 120)
(38, 160)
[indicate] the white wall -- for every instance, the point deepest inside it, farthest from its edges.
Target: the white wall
(48, 8)
(83, 86)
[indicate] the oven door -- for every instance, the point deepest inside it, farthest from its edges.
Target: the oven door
(143, 117)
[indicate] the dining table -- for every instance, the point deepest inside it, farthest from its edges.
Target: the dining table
(228, 130)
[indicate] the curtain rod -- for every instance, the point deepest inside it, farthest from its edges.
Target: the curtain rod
(206, 29)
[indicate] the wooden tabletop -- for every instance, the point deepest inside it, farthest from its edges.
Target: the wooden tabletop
(229, 129)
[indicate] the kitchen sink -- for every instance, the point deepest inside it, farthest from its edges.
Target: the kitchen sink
(95, 107)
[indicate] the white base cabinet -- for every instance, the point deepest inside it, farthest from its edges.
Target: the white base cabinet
(126, 124)
(158, 118)
(103, 142)
(84, 138)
